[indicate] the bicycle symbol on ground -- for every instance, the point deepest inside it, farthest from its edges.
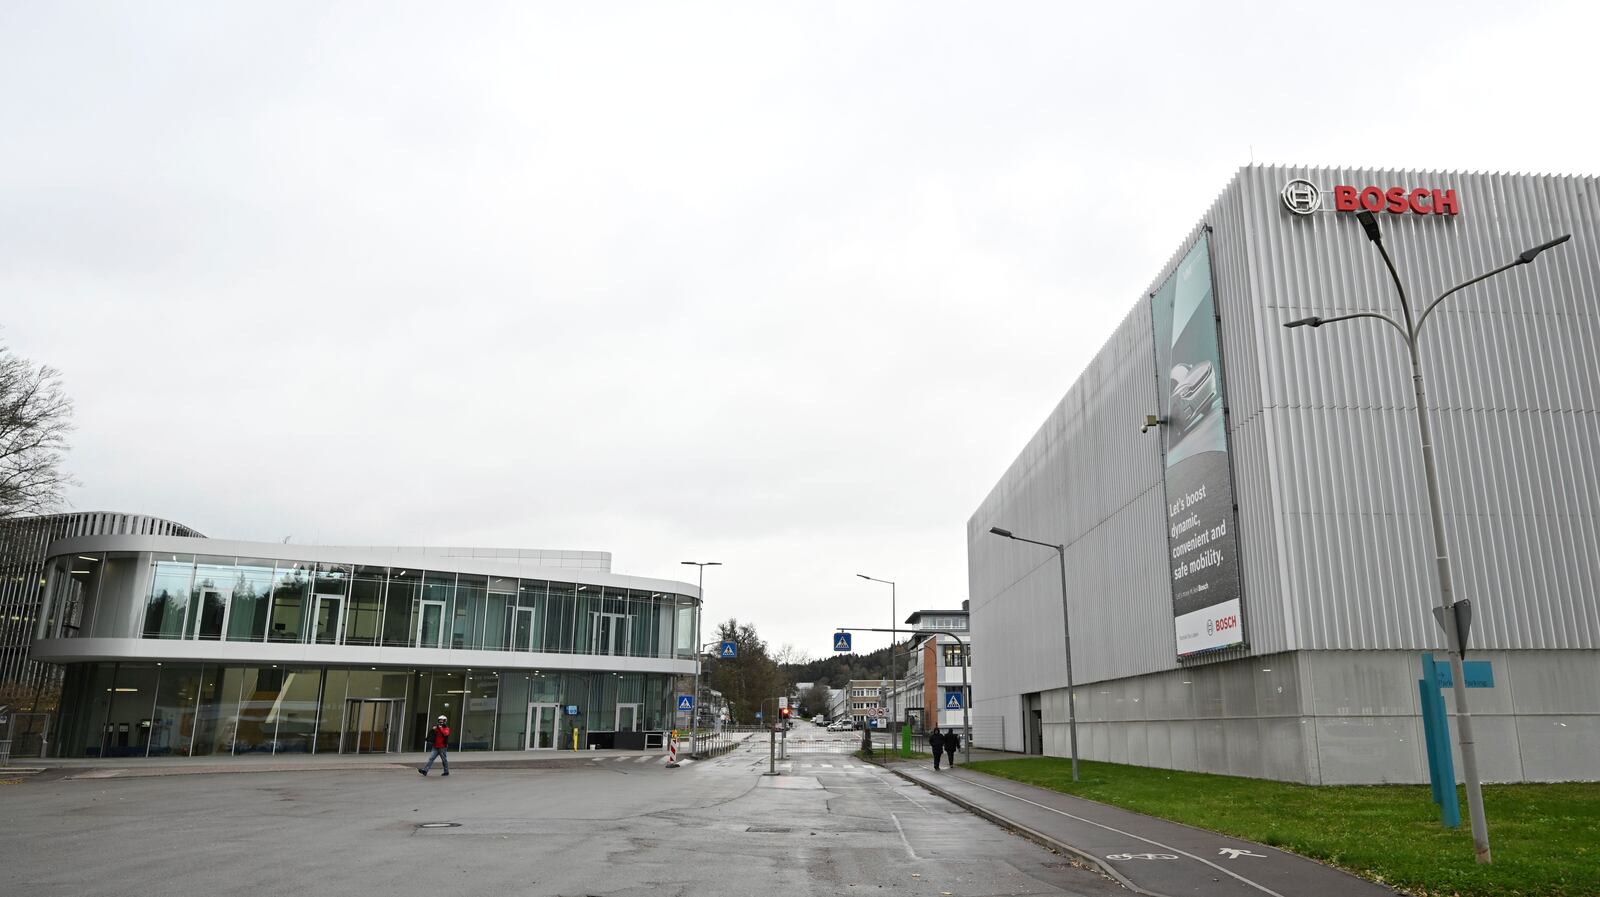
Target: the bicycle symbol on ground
(1141, 856)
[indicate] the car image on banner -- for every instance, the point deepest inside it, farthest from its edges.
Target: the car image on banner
(1198, 477)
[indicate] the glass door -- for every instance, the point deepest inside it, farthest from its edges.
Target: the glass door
(430, 625)
(628, 717)
(371, 726)
(212, 619)
(522, 629)
(330, 620)
(542, 726)
(609, 633)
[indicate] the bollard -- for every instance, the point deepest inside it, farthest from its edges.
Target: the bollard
(672, 750)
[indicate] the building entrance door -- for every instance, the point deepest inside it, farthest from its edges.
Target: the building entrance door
(330, 620)
(372, 726)
(542, 726)
(430, 625)
(627, 717)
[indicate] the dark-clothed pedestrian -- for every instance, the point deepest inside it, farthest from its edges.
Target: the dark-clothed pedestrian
(952, 743)
(439, 741)
(936, 744)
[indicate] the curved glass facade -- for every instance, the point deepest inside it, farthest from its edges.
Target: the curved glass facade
(200, 597)
(237, 651)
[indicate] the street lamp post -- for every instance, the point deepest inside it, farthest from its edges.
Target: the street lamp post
(1066, 627)
(694, 715)
(1448, 609)
(894, 619)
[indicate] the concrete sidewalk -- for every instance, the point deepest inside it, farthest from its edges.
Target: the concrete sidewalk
(141, 767)
(1148, 855)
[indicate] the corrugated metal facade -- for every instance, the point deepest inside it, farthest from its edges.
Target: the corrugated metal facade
(1333, 518)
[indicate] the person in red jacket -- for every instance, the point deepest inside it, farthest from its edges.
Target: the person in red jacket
(439, 741)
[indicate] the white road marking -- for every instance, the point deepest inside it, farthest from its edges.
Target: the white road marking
(903, 839)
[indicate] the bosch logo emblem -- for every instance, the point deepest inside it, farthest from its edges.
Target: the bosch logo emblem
(1302, 197)
(1211, 628)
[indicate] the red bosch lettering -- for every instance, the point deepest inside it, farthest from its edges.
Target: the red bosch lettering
(1396, 200)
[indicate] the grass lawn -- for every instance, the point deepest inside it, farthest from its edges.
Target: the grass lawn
(1545, 838)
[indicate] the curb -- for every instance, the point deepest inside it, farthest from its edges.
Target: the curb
(1033, 835)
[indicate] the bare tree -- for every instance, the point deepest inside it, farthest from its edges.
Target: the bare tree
(35, 417)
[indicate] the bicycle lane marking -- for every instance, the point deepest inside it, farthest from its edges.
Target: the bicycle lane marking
(1223, 869)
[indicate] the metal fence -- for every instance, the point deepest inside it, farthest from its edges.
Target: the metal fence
(24, 735)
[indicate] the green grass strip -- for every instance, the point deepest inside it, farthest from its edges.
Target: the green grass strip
(1545, 839)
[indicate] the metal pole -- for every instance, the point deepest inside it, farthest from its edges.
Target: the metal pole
(694, 712)
(1452, 633)
(894, 671)
(1072, 698)
(966, 698)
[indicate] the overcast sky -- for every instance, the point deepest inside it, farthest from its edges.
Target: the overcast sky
(781, 285)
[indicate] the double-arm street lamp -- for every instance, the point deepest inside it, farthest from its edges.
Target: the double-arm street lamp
(694, 715)
(894, 620)
(1066, 630)
(1450, 613)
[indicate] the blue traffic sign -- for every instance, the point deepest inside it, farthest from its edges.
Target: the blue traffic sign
(841, 641)
(758, 714)
(952, 701)
(729, 650)
(685, 702)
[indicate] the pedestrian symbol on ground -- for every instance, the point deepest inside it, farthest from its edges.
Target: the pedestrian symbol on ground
(952, 701)
(729, 649)
(1233, 853)
(685, 702)
(841, 641)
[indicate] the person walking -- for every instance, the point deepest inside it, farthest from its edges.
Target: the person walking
(952, 743)
(936, 744)
(439, 740)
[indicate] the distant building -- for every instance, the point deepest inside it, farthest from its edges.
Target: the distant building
(866, 699)
(936, 692)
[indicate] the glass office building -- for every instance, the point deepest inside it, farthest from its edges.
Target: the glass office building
(201, 647)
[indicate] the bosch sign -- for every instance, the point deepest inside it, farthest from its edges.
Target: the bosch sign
(1420, 201)
(1304, 198)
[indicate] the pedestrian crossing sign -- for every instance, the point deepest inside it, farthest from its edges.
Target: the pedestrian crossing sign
(685, 702)
(952, 701)
(729, 650)
(841, 641)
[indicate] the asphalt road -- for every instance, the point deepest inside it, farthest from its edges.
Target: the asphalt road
(829, 824)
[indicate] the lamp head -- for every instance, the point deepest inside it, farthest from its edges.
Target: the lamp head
(1313, 321)
(1369, 223)
(1000, 532)
(1529, 255)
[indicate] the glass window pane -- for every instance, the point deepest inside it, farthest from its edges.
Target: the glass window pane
(366, 606)
(482, 703)
(218, 711)
(127, 728)
(167, 606)
(561, 605)
(469, 611)
(295, 711)
(249, 600)
(291, 607)
(330, 716)
(176, 700)
(511, 733)
(399, 607)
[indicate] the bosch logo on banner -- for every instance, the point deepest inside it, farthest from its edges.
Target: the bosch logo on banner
(1302, 197)
(1222, 624)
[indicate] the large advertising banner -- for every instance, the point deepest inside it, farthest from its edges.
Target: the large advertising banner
(1201, 540)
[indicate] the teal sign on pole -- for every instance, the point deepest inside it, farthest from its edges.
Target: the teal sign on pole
(1436, 728)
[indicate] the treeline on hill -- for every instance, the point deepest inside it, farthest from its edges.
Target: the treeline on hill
(837, 670)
